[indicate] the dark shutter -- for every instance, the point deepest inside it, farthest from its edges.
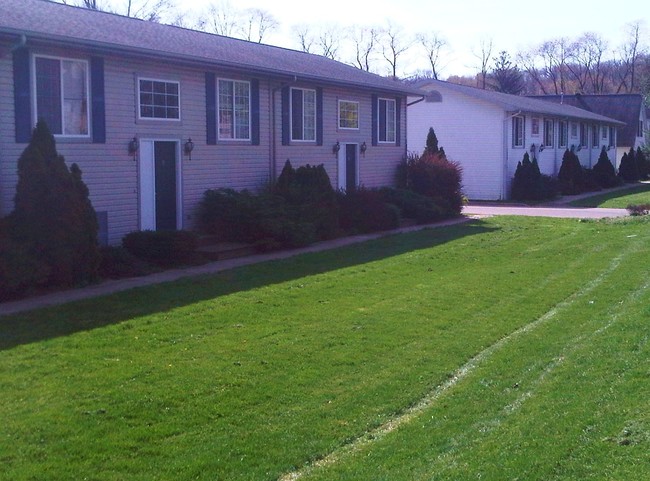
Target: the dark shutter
(210, 109)
(319, 116)
(286, 128)
(398, 121)
(22, 101)
(97, 99)
(255, 112)
(375, 119)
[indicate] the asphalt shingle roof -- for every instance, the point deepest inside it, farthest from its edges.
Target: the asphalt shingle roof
(44, 20)
(516, 103)
(623, 107)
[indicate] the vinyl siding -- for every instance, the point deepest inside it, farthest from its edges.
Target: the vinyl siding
(111, 173)
(471, 132)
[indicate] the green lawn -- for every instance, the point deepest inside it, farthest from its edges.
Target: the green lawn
(620, 199)
(509, 348)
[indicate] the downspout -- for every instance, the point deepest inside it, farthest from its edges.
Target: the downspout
(504, 186)
(21, 43)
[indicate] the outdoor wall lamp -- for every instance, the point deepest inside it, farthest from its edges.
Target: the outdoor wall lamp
(134, 145)
(189, 147)
(532, 149)
(336, 148)
(541, 147)
(363, 148)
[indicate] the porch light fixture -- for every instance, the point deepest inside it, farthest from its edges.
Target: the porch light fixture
(541, 147)
(189, 147)
(134, 145)
(363, 148)
(336, 148)
(532, 149)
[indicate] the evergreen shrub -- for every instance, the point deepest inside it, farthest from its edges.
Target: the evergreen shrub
(642, 164)
(604, 171)
(53, 221)
(571, 175)
(413, 205)
(628, 170)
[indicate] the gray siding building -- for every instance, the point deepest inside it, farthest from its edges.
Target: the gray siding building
(126, 99)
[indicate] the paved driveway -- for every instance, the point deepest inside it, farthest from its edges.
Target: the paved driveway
(568, 212)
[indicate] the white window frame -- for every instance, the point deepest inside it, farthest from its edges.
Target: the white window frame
(352, 102)
(291, 114)
(534, 127)
(387, 140)
(61, 93)
(518, 142)
(605, 132)
(234, 138)
(583, 135)
(153, 118)
(563, 134)
(595, 136)
(549, 134)
(573, 130)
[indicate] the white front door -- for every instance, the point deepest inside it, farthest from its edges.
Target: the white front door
(348, 167)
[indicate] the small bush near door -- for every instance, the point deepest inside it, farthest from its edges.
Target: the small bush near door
(161, 247)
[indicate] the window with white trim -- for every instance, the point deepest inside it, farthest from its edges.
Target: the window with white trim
(234, 110)
(387, 120)
(159, 99)
(564, 134)
(303, 114)
(61, 91)
(583, 134)
(348, 114)
(604, 130)
(595, 141)
(574, 130)
(548, 133)
(518, 136)
(534, 127)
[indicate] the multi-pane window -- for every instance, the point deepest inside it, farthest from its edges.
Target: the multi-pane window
(574, 130)
(387, 120)
(534, 126)
(612, 136)
(583, 134)
(564, 134)
(595, 142)
(234, 110)
(61, 88)
(548, 133)
(303, 114)
(159, 99)
(604, 132)
(348, 114)
(518, 137)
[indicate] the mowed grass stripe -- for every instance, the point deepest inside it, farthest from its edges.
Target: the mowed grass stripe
(257, 371)
(411, 414)
(568, 400)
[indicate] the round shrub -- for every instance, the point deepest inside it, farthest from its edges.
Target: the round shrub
(434, 176)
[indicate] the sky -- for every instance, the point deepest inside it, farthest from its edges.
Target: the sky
(512, 25)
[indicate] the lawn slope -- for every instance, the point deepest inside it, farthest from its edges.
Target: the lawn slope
(261, 371)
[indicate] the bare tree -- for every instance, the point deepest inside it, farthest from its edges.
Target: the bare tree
(152, 10)
(305, 37)
(585, 62)
(433, 44)
(221, 18)
(484, 56)
(528, 60)
(365, 42)
(394, 45)
(256, 24)
(629, 56)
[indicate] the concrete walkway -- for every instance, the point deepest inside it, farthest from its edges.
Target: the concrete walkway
(544, 211)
